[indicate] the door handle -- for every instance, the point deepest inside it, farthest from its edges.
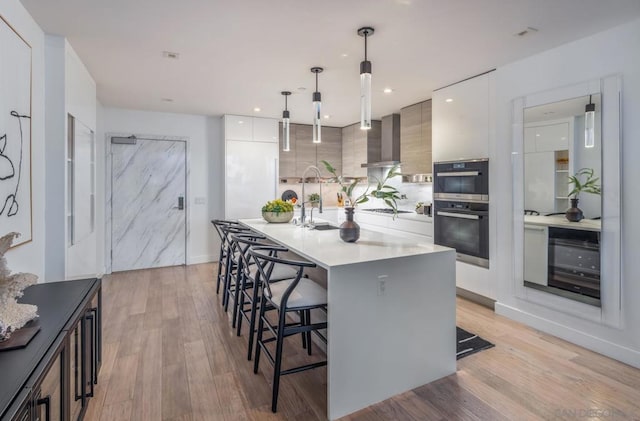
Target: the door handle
(457, 215)
(180, 203)
(46, 401)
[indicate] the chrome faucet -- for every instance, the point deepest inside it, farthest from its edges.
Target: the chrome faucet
(302, 212)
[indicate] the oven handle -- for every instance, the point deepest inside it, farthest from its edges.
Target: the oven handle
(457, 215)
(458, 174)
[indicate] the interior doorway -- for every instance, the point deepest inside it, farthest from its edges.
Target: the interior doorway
(148, 203)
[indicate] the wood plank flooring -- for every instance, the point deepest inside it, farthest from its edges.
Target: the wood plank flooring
(169, 353)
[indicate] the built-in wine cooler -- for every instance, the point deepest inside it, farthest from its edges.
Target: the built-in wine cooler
(574, 261)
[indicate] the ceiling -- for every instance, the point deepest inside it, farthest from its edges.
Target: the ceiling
(562, 109)
(237, 55)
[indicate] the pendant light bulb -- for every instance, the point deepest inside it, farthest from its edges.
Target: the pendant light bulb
(589, 124)
(365, 83)
(317, 109)
(286, 128)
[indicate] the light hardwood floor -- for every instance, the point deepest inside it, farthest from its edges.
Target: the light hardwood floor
(169, 354)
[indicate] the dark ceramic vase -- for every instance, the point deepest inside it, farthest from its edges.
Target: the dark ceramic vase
(574, 213)
(349, 230)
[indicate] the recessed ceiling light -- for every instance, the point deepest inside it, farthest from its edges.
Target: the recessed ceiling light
(537, 134)
(167, 100)
(170, 54)
(387, 90)
(343, 55)
(327, 116)
(448, 100)
(256, 109)
(240, 122)
(527, 31)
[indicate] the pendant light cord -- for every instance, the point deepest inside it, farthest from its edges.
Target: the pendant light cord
(285, 102)
(365, 45)
(316, 81)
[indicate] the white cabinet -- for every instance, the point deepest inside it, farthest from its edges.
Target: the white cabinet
(546, 137)
(461, 119)
(251, 129)
(251, 165)
(535, 254)
(265, 130)
(238, 127)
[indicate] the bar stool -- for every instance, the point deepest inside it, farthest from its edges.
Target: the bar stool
(293, 295)
(232, 259)
(246, 298)
(224, 246)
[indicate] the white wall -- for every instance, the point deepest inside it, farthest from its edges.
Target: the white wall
(205, 174)
(30, 257)
(81, 103)
(611, 52)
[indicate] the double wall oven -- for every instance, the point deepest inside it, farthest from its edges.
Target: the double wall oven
(461, 208)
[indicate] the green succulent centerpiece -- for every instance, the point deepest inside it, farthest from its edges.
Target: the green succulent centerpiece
(314, 199)
(381, 190)
(277, 211)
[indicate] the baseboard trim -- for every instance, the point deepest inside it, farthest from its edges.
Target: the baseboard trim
(612, 350)
(205, 258)
(476, 298)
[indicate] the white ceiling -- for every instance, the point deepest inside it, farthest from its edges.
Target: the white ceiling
(562, 109)
(237, 55)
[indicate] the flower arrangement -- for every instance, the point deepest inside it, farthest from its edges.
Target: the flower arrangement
(278, 206)
(382, 190)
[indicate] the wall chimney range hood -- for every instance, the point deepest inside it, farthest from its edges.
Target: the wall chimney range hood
(390, 143)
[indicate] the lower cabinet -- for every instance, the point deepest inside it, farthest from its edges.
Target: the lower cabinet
(535, 254)
(60, 387)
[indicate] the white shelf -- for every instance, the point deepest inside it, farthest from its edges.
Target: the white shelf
(562, 198)
(564, 171)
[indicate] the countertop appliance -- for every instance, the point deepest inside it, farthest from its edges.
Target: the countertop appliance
(461, 180)
(574, 261)
(463, 226)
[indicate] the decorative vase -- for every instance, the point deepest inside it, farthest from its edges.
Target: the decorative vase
(277, 217)
(349, 229)
(574, 213)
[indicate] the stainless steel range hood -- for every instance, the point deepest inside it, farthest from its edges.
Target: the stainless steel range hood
(390, 143)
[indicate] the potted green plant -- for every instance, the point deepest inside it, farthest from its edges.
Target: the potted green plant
(277, 211)
(350, 230)
(589, 185)
(314, 199)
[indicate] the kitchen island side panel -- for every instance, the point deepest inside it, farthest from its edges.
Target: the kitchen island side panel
(385, 340)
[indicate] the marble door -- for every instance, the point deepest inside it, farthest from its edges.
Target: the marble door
(148, 204)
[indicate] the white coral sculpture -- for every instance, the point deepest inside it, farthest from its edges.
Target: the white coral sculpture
(13, 316)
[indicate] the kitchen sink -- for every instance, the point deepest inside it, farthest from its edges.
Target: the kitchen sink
(325, 227)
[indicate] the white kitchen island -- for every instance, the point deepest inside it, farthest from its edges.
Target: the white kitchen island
(391, 313)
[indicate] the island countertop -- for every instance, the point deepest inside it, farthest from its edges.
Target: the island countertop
(326, 249)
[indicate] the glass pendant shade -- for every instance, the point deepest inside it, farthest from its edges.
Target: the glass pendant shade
(286, 129)
(589, 125)
(365, 82)
(365, 101)
(317, 125)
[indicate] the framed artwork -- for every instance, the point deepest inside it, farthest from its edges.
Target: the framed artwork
(15, 134)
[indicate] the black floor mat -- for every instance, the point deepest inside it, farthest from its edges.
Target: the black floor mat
(468, 343)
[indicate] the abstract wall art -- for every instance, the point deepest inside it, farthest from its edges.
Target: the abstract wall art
(15, 134)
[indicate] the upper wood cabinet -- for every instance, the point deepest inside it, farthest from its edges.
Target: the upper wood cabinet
(287, 160)
(461, 116)
(415, 138)
(330, 150)
(359, 147)
(304, 152)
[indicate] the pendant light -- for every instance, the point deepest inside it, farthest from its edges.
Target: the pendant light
(365, 82)
(317, 108)
(286, 143)
(589, 124)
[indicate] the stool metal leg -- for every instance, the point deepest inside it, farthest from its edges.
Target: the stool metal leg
(278, 361)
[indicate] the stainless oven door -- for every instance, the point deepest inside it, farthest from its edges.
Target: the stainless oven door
(464, 229)
(461, 181)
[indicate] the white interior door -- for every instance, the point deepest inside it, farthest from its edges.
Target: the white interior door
(148, 204)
